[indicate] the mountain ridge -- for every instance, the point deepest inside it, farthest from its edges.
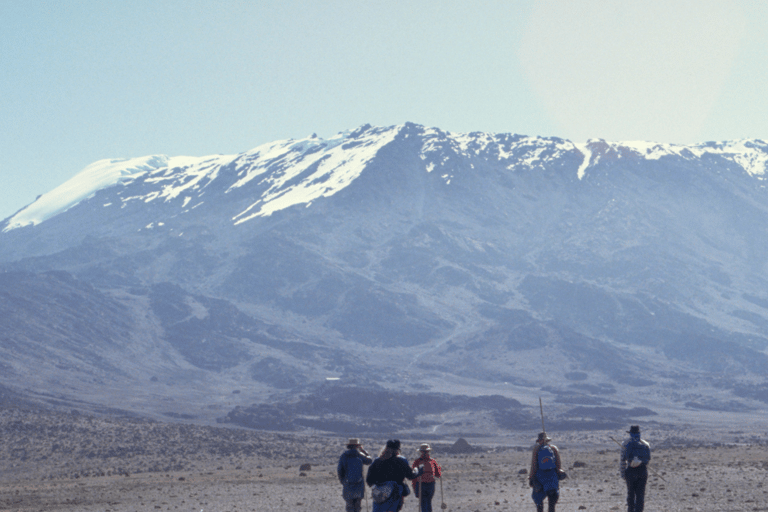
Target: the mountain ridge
(750, 154)
(492, 262)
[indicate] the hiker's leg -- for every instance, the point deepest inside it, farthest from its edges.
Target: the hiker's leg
(553, 497)
(630, 492)
(428, 488)
(640, 493)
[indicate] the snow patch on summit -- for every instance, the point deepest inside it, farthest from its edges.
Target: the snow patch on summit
(751, 155)
(299, 172)
(97, 176)
(187, 175)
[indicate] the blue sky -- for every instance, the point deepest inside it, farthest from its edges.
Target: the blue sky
(84, 80)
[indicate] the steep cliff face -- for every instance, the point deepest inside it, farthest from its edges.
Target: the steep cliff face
(406, 255)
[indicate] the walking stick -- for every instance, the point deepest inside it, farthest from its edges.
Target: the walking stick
(442, 499)
(365, 497)
(541, 408)
(647, 466)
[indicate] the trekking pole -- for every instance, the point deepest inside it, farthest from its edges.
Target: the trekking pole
(442, 499)
(365, 497)
(541, 408)
(647, 466)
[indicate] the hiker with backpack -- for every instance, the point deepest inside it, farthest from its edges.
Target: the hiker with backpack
(386, 478)
(635, 455)
(424, 485)
(350, 473)
(546, 473)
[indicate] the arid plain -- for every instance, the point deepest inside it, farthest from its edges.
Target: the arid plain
(73, 462)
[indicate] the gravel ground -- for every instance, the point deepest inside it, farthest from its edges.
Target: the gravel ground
(109, 465)
(704, 479)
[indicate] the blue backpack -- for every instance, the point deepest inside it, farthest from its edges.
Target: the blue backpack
(354, 470)
(547, 457)
(637, 449)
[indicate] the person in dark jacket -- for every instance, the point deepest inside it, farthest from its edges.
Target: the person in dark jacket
(391, 467)
(424, 485)
(546, 471)
(635, 455)
(350, 473)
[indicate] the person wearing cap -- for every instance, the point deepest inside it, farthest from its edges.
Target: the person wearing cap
(391, 468)
(546, 473)
(350, 473)
(635, 456)
(424, 485)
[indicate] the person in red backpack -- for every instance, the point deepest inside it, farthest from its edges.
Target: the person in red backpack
(424, 486)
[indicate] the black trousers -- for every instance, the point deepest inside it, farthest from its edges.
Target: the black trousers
(636, 479)
(553, 497)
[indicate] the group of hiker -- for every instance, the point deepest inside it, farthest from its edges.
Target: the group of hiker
(387, 476)
(388, 472)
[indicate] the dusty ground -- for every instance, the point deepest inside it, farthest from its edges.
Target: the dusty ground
(61, 462)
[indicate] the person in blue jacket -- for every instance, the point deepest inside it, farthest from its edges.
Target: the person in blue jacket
(546, 472)
(635, 455)
(391, 469)
(350, 473)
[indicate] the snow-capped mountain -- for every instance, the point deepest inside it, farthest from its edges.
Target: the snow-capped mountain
(398, 257)
(293, 172)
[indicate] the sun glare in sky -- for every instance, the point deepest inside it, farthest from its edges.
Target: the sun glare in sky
(629, 70)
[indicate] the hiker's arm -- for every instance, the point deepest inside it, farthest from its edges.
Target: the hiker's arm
(557, 458)
(411, 473)
(534, 463)
(370, 478)
(623, 460)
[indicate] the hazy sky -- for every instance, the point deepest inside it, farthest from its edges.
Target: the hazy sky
(86, 80)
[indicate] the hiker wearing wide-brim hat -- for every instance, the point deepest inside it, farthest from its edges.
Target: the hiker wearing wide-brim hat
(424, 486)
(635, 455)
(546, 472)
(350, 473)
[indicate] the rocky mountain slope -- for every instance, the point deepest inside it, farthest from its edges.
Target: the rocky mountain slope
(447, 279)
